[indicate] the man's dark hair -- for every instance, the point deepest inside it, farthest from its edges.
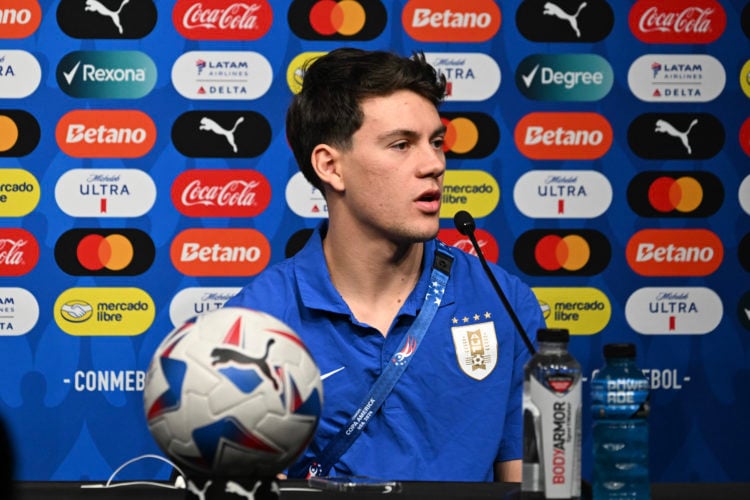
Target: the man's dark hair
(327, 109)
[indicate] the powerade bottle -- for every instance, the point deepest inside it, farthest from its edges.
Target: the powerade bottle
(552, 420)
(619, 398)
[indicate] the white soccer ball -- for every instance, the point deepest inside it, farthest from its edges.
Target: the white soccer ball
(233, 393)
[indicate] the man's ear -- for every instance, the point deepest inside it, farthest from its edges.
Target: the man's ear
(325, 161)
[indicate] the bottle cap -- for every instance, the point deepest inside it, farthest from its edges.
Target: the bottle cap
(619, 350)
(552, 335)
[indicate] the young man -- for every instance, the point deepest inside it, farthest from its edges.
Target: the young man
(365, 130)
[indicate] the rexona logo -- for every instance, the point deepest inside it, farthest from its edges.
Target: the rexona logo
(221, 134)
(19, 252)
(92, 312)
(221, 193)
(582, 311)
(677, 21)
(20, 73)
(674, 310)
(744, 194)
(564, 77)
(745, 136)
(222, 19)
(304, 199)
(475, 191)
(469, 135)
(19, 133)
(19, 18)
(564, 20)
(111, 133)
(558, 252)
(675, 194)
(451, 20)
(469, 76)
(107, 19)
(676, 136)
(220, 252)
(563, 136)
(20, 312)
(106, 74)
(337, 20)
(192, 301)
(105, 192)
(674, 252)
(237, 75)
(560, 194)
(104, 252)
(676, 78)
(485, 240)
(19, 192)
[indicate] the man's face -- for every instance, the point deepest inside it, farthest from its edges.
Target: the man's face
(393, 172)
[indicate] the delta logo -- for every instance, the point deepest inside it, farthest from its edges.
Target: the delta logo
(19, 252)
(220, 252)
(222, 19)
(676, 78)
(580, 310)
(106, 19)
(20, 19)
(563, 136)
(451, 21)
(469, 135)
(674, 310)
(224, 75)
(558, 252)
(104, 252)
(349, 20)
(674, 252)
(221, 193)
(677, 21)
(112, 133)
(20, 311)
(105, 192)
(675, 194)
(485, 240)
(562, 194)
(19, 133)
(304, 199)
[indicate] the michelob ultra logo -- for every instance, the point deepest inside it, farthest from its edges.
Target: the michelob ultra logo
(19, 18)
(19, 133)
(674, 252)
(106, 74)
(90, 312)
(470, 76)
(581, 310)
(110, 133)
(558, 252)
(19, 192)
(105, 192)
(564, 77)
(20, 75)
(675, 194)
(20, 311)
(220, 252)
(677, 21)
(563, 136)
(674, 310)
(222, 19)
(192, 301)
(676, 78)
(562, 194)
(303, 199)
(475, 191)
(469, 135)
(337, 20)
(451, 20)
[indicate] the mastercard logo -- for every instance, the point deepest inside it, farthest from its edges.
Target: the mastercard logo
(337, 20)
(675, 194)
(469, 135)
(19, 133)
(104, 252)
(551, 252)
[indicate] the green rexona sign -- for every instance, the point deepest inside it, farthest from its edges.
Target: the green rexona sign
(113, 74)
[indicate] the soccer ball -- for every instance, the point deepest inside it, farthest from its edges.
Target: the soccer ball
(233, 393)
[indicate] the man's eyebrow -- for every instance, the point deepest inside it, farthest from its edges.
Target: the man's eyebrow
(408, 133)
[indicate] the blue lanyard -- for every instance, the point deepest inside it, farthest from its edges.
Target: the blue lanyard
(341, 442)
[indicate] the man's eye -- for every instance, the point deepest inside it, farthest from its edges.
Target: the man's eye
(400, 145)
(438, 143)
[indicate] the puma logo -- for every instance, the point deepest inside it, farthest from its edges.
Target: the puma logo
(237, 489)
(96, 6)
(225, 355)
(211, 126)
(550, 9)
(664, 127)
(200, 493)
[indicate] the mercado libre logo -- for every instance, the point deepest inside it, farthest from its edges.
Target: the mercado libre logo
(106, 74)
(745, 78)
(350, 20)
(222, 19)
(469, 135)
(20, 20)
(677, 21)
(451, 20)
(221, 134)
(94, 312)
(19, 252)
(106, 19)
(675, 194)
(674, 252)
(104, 252)
(19, 133)
(19, 192)
(557, 252)
(582, 311)
(676, 136)
(563, 21)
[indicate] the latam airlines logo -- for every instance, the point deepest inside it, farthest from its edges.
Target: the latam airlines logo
(104, 252)
(584, 21)
(106, 19)
(677, 21)
(675, 194)
(304, 199)
(451, 20)
(105, 192)
(337, 20)
(220, 252)
(556, 252)
(676, 136)
(222, 19)
(676, 78)
(20, 74)
(20, 19)
(19, 311)
(114, 133)
(562, 194)
(674, 310)
(19, 133)
(563, 136)
(674, 252)
(221, 193)
(221, 134)
(19, 252)
(564, 77)
(237, 75)
(470, 76)
(106, 74)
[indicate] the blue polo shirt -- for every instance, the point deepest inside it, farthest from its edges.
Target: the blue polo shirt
(455, 410)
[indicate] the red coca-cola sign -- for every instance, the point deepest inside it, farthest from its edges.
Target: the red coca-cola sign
(485, 240)
(221, 193)
(19, 252)
(677, 21)
(222, 19)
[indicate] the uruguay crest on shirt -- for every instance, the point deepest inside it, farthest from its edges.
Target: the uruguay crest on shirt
(476, 346)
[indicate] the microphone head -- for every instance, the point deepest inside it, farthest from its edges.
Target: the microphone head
(464, 222)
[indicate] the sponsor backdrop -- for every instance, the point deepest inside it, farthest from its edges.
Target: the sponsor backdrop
(144, 177)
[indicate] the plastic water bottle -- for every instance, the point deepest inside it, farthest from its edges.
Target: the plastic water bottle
(619, 398)
(552, 420)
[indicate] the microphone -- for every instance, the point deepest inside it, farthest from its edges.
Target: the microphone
(464, 222)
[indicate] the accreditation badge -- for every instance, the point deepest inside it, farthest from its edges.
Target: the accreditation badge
(476, 348)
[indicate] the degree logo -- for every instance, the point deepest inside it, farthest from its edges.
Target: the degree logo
(676, 136)
(557, 252)
(104, 252)
(674, 252)
(111, 133)
(20, 311)
(563, 136)
(221, 134)
(106, 19)
(674, 311)
(19, 252)
(220, 252)
(337, 20)
(451, 20)
(295, 72)
(475, 191)
(675, 194)
(564, 21)
(582, 311)
(469, 135)
(677, 21)
(222, 19)
(19, 192)
(20, 18)
(221, 193)
(92, 312)
(19, 133)
(485, 240)
(564, 77)
(562, 194)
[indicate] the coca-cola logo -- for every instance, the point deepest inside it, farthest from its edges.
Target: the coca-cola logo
(222, 19)
(677, 21)
(221, 193)
(485, 240)
(19, 252)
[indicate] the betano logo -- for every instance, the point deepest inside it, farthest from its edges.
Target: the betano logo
(674, 310)
(19, 192)
(469, 135)
(451, 21)
(107, 192)
(470, 76)
(557, 252)
(19, 19)
(20, 312)
(220, 252)
(93, 312)
(110, 133)
(221, 193)
(20, 74)
(222, 19)
(19, 252)
(564, 77)
(337, 20)
(674, 252)
(19, 133)
(104, 252)
(580, 310)
(563, 136)
(485, 240)
(675, 194)
(106, 74)
(677, 21)
(225, 75)
(559, 194)
(475, 191)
